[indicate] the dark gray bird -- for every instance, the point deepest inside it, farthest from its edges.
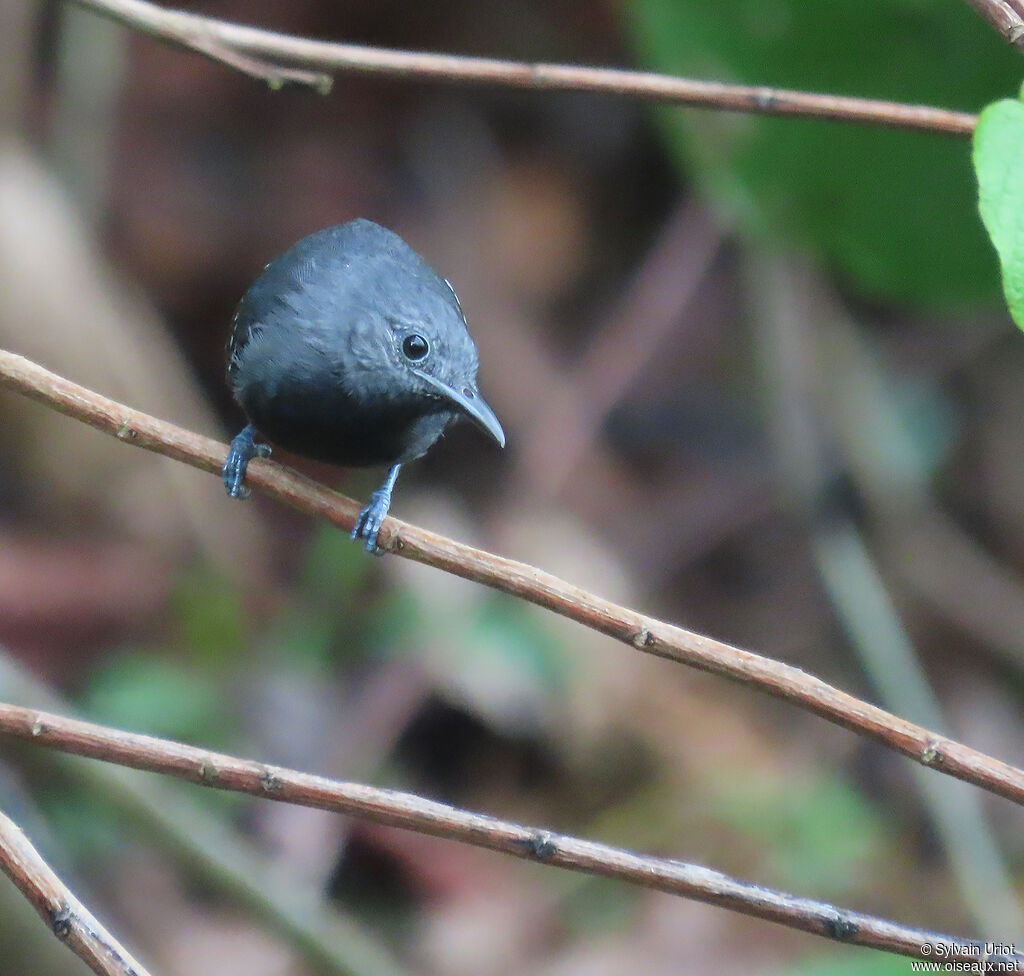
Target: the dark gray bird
(349, 348)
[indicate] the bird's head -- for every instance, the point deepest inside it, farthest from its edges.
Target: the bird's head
(412, 340)
(389, 325)
(436, 352)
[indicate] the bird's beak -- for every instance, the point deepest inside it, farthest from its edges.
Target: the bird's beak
(470, 403)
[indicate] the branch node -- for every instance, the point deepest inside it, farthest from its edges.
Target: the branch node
(125, 432)
(208, 773)
(276, 76)
(271, 782)
(643, 638)
(932, 754)
(39, 727)
(319, 81)
(61, 920)
(540, 845)
(841, 927)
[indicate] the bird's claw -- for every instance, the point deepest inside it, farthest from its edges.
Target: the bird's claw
(370, 520)
(243, 450)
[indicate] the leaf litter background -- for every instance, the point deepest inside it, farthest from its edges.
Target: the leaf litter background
(712, 339)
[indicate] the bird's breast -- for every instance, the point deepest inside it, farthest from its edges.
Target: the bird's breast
(335, 427)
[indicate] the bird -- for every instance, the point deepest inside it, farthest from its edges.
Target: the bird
(350, 349)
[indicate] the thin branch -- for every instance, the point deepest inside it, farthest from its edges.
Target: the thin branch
(412, 812)
(67, 918)
(212, 38)
(275, 75)
(217, 855)
(526, 582)
(1006, 16)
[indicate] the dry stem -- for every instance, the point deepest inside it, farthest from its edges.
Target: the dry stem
(263, 50)
(67, 918)
(527, 582)
(1006, 16)
(440, 820)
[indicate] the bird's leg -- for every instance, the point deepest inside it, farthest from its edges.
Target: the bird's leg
(243, 450)
(370, 518)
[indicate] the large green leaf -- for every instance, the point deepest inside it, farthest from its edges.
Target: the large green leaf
(894, 212)
(999, 163)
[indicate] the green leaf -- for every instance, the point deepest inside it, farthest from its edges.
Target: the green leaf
(893, 212)
(796, 824)
(87, 824)
(334, 567)
(999, 163)
(150, 693)
(212, 620)
(517, 641)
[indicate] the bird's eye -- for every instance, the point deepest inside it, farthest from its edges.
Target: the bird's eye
(415, 347)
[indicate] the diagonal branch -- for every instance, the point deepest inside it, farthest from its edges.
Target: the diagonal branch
(1006, 16)
(215, 853)
(224, 41)
(67, 918)
(412, 812)
(526, 582)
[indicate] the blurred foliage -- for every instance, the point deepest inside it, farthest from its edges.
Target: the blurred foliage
(334, 618)
(495, 655)
(500, 655)
(143, 690)
(211, 618)
(322, 626)
(865, 963)
(895, 212)
(89, 826)
(333, 566)
(599, 907)
(569, 740)
(999, 162)
(817, 835)
(513, 636)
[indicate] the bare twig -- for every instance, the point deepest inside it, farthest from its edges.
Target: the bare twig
(190, 31)
(526, 582)
(412, 812)
(219, 856)
(214, 38)
(67, 918)
(1006, 16)
(275, 75)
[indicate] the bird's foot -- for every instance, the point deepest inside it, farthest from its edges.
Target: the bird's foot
(371, 518)
(243, 450)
